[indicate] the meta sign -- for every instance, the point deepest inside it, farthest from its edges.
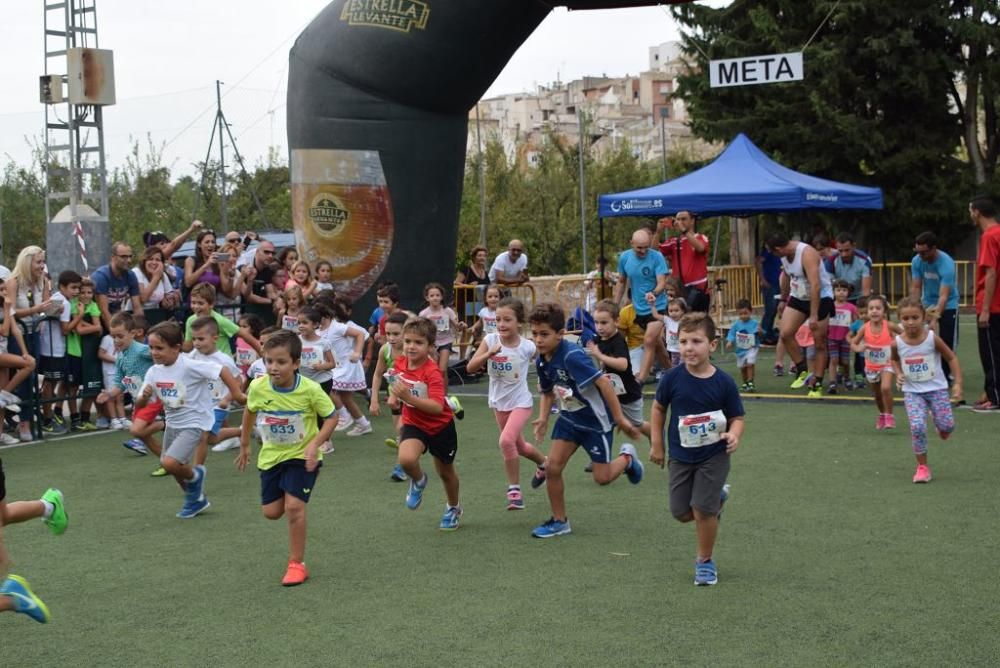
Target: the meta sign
(755, 70)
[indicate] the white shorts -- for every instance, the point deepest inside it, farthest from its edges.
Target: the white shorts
(748, 358)
(875, 375)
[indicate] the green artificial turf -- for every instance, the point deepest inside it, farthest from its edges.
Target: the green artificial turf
(827, 555)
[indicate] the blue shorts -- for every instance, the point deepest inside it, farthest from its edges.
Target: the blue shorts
(288, 477)
(596, 443)
(220, 421)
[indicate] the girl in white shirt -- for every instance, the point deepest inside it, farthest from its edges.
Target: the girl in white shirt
(507, 356)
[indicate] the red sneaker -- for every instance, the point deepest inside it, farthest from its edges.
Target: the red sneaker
(296, 574)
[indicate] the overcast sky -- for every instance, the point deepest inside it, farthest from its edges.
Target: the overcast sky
(169, 54)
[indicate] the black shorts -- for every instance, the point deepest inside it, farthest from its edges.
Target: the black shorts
(643, 320)
(288, 477)
(327, 386)
(52, 368)
(3, 488)
(826, 307)
(698, 486)
(74, 370)
(442, 445)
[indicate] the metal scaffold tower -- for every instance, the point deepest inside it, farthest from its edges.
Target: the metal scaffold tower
(77, 84)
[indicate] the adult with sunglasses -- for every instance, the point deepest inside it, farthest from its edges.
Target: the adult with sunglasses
(258, 273)
(115, 284)
(933, 283)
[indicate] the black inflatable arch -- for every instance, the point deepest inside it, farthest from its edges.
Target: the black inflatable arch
(378, 98)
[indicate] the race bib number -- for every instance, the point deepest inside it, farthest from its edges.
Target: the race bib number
(877, 355)
(171, 393)
(132, 385)
(919, 369)
(246, 356)
(503, 368)
(442, 324)
(290, 322)
(217, 389)
(673, 340)
(310, 357)
(616, 383)
(281, 430)
(745, 340)
(489, 326)
(799, 288)
(697, 431)
(415, 388)
(841, 318)
(565, 399)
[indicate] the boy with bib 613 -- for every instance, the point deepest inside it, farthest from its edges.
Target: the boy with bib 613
(284, 406)
(706, 424)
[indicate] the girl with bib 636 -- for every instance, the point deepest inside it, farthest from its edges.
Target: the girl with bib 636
(917, 354)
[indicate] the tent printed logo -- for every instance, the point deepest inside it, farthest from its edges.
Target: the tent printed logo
(328, 214)
(400, 15)
(822, 197)
(635, 204)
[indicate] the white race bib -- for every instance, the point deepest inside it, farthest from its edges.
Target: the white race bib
(745, 340)
(290, 322)
(565, 399)
(919, 369)
(504, 369)
(310, 357)
(442, 324)
(489, 325)
(697, 431)
(246, 356)
(132, 385)
(841, 318)
(616, 383)
(281, 429)
(217, 389)
(171, 393)
(416, 388)
(673, 340)
(800, 288)
(877, 355)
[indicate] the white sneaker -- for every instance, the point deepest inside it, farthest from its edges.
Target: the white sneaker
(326, 448)
(9, 397)
(343, 425)
(358, 430)
(118, 423)
(7, 439)
(24, 435)
(227, 444)
(126, 423)
(102, 422)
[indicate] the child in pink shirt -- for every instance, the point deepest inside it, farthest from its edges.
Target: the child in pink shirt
(838, 344)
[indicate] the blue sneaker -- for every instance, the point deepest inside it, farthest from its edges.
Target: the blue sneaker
(398, 474)
(196, 488)
(193, 508)
(551, 528)
(24, 600)
(136, 445)
(449, 521)
(635, 468)
(705, 573)
(416, 493)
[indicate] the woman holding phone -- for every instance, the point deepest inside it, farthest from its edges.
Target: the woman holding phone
(204, 266)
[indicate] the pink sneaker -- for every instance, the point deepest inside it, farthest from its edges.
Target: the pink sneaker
(880, 422)
(923, 474)
(514, 500)
(945, 435)
(889, 422)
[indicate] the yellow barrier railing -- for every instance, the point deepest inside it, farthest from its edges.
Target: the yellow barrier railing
(891, 279)
(469, 300)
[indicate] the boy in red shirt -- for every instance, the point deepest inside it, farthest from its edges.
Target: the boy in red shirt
(416, 383)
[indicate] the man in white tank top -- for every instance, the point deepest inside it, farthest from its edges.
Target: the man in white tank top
(807, 292)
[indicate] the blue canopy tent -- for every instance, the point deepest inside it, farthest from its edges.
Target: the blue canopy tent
(742, 181)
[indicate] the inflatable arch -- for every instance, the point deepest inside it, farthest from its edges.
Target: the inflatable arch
(378, 98)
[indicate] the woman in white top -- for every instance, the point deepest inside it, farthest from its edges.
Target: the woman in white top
(28, 288)
(155, 288)
(507, 356)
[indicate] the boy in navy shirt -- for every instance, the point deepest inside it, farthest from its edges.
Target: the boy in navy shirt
(568, 378)
(706, 423)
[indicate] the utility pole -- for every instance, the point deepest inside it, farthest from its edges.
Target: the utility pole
(222, 156)
(583, 189)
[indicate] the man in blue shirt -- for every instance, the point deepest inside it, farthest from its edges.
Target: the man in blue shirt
(933, 281)
(115, 284)
(645, 274)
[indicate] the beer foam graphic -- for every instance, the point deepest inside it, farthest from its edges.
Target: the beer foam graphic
(341, 212)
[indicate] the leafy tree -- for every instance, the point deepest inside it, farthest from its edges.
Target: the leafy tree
(873, 109)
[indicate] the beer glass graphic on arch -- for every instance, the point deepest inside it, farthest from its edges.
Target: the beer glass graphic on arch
(341, 212)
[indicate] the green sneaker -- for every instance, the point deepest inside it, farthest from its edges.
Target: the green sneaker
(391, 442)
(59, 519)
(800, 380)
(159, 472)
(816, 392)
(456, 407)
